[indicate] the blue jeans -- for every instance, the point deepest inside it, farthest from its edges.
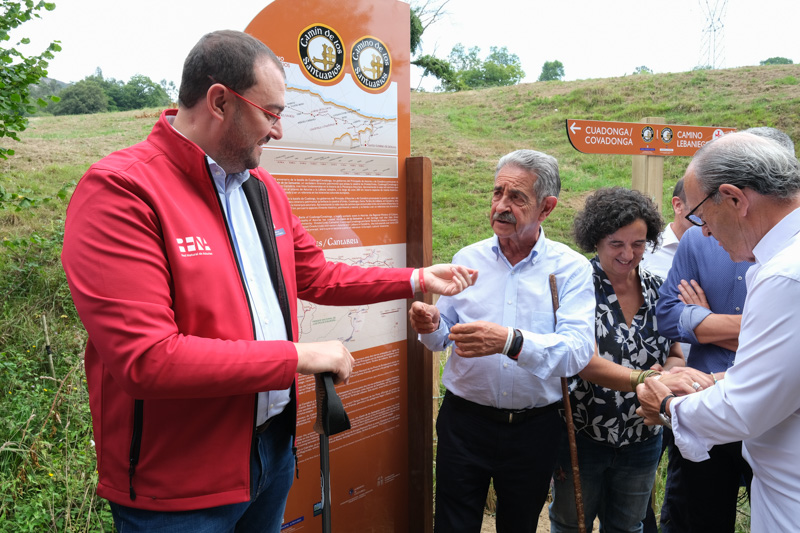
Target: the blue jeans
(615, 483)
(271, 471)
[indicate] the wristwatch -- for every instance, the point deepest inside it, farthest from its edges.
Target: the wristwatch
(662, 412)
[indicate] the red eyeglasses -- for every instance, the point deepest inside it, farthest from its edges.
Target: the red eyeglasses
(272, 117)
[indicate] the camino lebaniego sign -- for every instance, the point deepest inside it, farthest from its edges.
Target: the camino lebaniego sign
(636, 138)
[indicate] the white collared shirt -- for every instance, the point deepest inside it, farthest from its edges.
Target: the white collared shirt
(267, 315)
(660, 261)
(519, 296)
(758, 402)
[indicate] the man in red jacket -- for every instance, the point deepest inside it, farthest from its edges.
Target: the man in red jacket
(185, 263)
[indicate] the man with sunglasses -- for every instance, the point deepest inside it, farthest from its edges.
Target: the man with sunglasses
(185, 263)
(701, 303)
(745, 190)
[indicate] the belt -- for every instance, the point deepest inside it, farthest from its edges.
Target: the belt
(263, 427)
(503, 416)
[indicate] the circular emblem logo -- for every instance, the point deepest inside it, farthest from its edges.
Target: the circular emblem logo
(321, 53)
(647, 134)
(717, 134)
(666, 135)
(371, 62)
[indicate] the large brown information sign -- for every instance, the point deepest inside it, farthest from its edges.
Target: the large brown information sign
(342, 162)
(634, 138)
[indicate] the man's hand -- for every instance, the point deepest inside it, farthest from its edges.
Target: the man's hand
(691, 293)
(650, 394)
(424, 318)
(448, 280)
(477, 339)
(328, 356)
(681, 379)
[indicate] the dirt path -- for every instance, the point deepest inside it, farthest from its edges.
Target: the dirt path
(544, 523)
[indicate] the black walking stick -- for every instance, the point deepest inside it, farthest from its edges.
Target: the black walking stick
(573, 446)
(331, 419)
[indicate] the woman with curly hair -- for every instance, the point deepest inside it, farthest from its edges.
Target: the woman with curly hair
(617, 454)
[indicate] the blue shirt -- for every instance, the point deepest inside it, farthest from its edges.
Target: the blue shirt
(267, 316)
(519, 296)
(702, 259)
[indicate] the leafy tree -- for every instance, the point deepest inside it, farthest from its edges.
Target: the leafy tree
(112, 88)
(141, 92)
(19, 72)
(643, 70)
(438, 68)
(777, 61)
(500, 68)
(46, 88)
(82, 98)
(170, 89)
(552, 70)
(416, 31)
(423, 14)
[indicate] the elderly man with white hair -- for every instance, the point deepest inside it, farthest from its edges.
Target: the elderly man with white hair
(745, 191)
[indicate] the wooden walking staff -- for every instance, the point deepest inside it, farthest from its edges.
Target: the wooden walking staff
(573, 446)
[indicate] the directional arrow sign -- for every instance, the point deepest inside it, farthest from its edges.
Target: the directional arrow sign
(637, 138)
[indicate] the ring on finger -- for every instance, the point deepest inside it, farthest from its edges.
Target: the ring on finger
(696, 386)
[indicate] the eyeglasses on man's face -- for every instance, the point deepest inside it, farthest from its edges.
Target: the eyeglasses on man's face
(272, 117)
(694, 219)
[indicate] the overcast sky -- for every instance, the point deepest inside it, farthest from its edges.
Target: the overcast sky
(593, 39)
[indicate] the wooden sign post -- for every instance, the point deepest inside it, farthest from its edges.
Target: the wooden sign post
(647, 141)
(342, 162)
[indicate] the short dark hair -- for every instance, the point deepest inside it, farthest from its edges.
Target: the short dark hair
(607, 210)
(226, 55)
(678, 191)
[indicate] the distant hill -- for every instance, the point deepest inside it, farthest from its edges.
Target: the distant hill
(465, 134)
(45, 88)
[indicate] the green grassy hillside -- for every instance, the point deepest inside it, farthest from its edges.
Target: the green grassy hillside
(47, 471)
(465, 134)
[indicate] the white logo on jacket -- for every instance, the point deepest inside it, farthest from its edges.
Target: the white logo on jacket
(193, 245)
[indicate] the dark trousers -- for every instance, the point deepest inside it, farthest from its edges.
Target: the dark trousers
(702, 497)
(472, 450)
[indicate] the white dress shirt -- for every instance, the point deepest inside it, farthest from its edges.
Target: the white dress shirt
(519, 296)
(758, 402)
(660, 261)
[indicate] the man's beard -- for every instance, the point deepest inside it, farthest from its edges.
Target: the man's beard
(237, 152)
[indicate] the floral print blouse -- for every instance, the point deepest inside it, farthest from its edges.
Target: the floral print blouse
(605, 415)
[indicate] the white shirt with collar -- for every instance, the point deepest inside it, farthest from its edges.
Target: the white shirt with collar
(660, 261)
(758, 402)
(519, 296)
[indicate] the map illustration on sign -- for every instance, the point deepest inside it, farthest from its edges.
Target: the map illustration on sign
(354, 125)
(358, 327)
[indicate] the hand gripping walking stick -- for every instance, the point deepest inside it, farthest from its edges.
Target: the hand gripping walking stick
(331, 419)
(573, 446)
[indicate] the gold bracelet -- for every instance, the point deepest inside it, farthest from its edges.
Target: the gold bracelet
(646, 374)
(635, 375)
